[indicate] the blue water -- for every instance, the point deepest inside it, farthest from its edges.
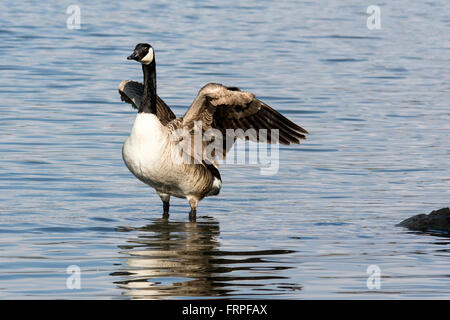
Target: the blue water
(376, 104)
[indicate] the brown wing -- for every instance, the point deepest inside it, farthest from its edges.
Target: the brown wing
(222, 108)
(131, 92)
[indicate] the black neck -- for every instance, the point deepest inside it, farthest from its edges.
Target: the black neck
(148, 104)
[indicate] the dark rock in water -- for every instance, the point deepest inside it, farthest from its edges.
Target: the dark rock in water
(437, 220)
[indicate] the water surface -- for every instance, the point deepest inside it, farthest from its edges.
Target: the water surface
(376, 104)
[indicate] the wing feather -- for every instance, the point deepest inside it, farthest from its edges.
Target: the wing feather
(131, 92)
(222, 108)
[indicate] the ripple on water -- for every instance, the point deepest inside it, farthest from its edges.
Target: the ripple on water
(374, 102)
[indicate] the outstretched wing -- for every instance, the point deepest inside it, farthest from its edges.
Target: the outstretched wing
(131, 92)
(222, 108)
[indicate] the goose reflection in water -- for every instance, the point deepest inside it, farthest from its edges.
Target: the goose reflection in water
(182, 259)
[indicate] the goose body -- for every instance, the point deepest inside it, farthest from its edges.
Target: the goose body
(151, 153)
(144, 153)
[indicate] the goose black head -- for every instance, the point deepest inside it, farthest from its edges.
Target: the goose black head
(143, 53)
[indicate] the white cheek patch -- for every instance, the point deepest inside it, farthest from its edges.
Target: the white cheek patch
(148, 57)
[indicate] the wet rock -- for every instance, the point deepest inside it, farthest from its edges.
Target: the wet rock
(437, 220)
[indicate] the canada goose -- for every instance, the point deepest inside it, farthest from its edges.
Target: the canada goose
(150, 150)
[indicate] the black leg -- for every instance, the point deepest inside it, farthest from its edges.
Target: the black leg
(193, 201)
(193, 215)
(166, 206)
(165, 199)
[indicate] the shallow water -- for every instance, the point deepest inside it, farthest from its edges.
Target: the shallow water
(376, 104)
